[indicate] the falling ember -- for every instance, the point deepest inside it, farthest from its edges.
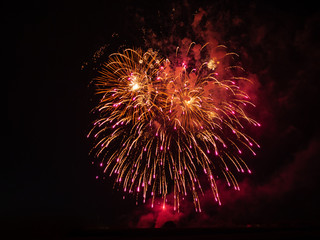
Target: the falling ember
(158, 117)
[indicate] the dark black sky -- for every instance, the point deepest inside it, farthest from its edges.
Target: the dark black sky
(47, 176)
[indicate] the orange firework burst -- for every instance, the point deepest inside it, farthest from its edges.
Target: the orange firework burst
(163, 122)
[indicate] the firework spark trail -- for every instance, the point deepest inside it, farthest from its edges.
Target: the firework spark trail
(163, 120)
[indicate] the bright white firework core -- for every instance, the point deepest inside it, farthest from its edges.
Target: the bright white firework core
(135, 86)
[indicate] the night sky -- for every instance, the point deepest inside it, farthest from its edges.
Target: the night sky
(48, 181)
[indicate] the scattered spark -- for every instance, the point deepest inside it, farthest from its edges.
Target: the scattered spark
(158, 118)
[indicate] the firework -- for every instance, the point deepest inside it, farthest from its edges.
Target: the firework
(164, 122)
